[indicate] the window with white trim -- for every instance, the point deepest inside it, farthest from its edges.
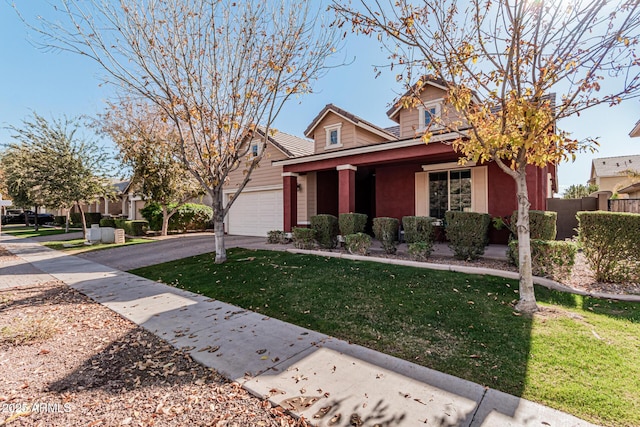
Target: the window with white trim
(333, 136)
(449, 191)
(429, 113)
(254, 150)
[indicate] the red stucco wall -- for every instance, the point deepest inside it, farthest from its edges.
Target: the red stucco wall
(502, 190)
(395, 190)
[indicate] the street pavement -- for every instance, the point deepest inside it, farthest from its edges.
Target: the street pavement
(326, 380)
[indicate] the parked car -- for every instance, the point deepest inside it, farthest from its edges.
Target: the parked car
(17, 217)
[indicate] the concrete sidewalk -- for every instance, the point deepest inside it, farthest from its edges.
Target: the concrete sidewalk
(328, 381)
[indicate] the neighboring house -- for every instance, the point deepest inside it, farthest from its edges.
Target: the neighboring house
(631, 192)
(609, 173)
(109, 206)
(131, 202)
(352, 165)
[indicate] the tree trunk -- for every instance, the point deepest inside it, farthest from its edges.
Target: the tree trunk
(35, 219)
(165, 221)
(67, 221)
(218, 227)
(84, 221)
(527, 303)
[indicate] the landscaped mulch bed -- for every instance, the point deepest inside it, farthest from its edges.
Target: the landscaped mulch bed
(67, 361)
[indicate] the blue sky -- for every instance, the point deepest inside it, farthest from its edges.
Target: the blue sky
(54, 84)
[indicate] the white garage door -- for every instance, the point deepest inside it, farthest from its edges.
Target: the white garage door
(254, 213)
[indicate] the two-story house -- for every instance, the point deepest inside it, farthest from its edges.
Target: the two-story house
(352, 165)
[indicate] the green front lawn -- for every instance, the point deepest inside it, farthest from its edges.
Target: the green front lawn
(77, 246)
(579, 355)
(22, 231)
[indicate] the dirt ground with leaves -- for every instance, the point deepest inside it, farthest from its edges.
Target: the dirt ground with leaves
(67, 361)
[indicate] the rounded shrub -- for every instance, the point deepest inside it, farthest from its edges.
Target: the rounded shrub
(358, 243)
(303, 238)
(352, 223)
(386, 231)
(417, 229)
(467, 233)
(326, 230)
(542, 224)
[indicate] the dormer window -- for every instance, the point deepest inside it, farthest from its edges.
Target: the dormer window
(333, 136)
(429, 115)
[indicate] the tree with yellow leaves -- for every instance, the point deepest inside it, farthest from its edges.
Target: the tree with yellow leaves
(216, 69)
(512, 69)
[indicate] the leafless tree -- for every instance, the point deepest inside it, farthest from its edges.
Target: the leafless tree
(217, 69)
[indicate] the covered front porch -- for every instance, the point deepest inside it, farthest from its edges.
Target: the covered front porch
(414, 179)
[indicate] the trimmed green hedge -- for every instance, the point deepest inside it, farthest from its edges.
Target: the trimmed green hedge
(326, 230)
(611, 243)
(352, 223)
(90, 218)
(132, 228)
(304, 238)
(549, 258)
(542, 224)
(467, 233)
(190, 216)
(59, 220)
(417, 229)
(108, 222)
(358, 243)
(386, 231)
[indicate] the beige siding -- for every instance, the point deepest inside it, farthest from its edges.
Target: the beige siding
(612, 183)
(311, 196)
(409, 118)
(138, 208)
(302, 197)
(263, 175)
(347, 133)
(364, 137)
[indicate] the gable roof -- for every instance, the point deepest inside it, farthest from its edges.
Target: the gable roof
(635, 131)
(120, 186)
(290, 145)
(614, 166)
(424, 80)
(350, 117)
(441, 84)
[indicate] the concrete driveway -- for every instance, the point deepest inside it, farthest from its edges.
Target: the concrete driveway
(165, 249)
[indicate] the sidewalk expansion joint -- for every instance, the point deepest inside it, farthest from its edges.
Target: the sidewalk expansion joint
(473, 417)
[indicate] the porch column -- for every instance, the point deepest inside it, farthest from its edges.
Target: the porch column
(290, 200)
(346, 188)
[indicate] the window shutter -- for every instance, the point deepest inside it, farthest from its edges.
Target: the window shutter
(421, 196)
(480, 190)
